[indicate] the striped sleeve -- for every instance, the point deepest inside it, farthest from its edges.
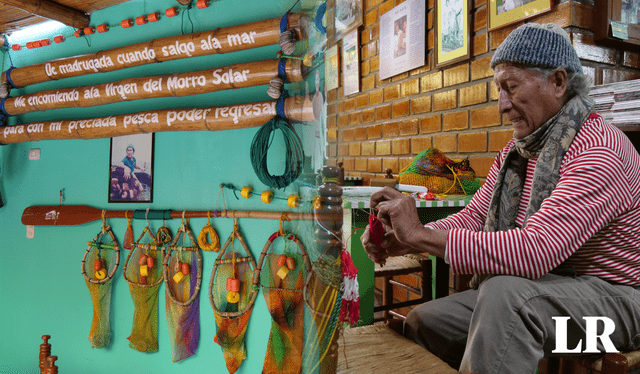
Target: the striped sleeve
(591, 193)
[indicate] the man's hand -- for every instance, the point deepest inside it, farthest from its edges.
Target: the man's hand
(398, 213)
(390, 246)
(399, 217)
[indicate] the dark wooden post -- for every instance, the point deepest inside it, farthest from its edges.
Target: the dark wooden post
(51, 368)
(328, 238)
(45, 351)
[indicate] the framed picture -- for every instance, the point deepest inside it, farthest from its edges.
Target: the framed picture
(346, 16)
(351, 63)
(331, 68)
(453, 30)
(506, 12)
(402, 38)
(131, 169)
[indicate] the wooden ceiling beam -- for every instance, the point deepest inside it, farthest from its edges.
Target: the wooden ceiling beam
(49, 9)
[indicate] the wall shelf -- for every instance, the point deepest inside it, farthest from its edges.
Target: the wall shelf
(617, 23)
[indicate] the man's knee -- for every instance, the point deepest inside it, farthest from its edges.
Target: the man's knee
(505, 290)
(417, 322)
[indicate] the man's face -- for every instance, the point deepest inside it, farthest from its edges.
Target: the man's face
(129, 152)
(526, 98)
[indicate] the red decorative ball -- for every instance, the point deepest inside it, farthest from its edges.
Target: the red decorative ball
(171, 12)
(141, 20)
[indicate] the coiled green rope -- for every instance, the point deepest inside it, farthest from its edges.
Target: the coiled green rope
(294, 156)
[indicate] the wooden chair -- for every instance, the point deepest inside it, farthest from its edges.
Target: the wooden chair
(396, 266)
(405, 265)
(610, 363)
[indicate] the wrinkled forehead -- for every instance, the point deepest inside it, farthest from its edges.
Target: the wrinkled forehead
(503, 72)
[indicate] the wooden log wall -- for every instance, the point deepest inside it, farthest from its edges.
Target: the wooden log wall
(230, 77)
(222, 40)
(297, 108)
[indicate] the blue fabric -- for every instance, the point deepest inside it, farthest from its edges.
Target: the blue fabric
(319, 17)
(9, 76)
(282, 72)
(131, 164)
(280, 104)
(2, 106)
(284, 21)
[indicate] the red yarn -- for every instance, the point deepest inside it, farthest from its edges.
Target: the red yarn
(376, 230)
(350, 308)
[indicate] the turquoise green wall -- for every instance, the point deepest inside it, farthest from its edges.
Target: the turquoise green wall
(41, 288)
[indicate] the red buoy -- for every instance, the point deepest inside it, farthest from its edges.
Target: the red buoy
(171, 12)
(141, 20)
(153, 17)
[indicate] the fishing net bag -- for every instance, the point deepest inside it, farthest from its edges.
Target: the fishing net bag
(440, 174)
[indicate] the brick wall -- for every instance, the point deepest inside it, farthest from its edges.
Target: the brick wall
(453, 108)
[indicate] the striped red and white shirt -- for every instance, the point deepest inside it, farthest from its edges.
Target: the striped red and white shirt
(591, 219)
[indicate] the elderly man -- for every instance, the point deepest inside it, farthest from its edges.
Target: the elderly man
(554, 231)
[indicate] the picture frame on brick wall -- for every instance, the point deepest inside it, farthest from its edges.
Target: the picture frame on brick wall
(402, 38)
(331, 68)
(345, 16)
(506, 12)
(453, 31)
(350, 63)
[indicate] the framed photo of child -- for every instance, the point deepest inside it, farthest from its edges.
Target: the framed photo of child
(131, 169)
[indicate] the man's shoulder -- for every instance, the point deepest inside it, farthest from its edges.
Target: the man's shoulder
(599, 136)
(597, 132)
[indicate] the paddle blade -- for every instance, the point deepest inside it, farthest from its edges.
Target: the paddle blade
(60, 215)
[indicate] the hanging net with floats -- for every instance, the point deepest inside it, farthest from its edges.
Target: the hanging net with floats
(232, 297)
(282, 281)
(143, 273)
(441, 175)
(322, 296)
(99, 264)
(182, 271)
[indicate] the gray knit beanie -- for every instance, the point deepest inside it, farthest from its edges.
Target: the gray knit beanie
(538, 45)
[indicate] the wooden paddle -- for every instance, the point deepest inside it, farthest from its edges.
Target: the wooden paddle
(51, 215)
(66, 215)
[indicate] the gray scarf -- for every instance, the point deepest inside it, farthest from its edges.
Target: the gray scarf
(548, 144)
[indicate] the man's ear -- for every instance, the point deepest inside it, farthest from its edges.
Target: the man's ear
(559, 80)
